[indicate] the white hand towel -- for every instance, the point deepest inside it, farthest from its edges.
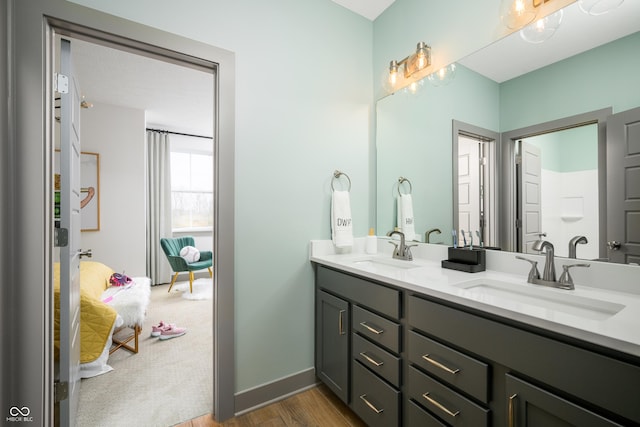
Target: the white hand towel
(405, 217)
(341, 223)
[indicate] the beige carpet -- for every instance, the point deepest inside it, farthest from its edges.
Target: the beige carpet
(167, 382)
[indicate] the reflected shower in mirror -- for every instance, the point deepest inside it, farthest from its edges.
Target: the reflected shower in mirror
(558, 195)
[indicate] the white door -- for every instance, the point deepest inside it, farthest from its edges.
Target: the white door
(468, 184)
(530, 206)
(70, 253)
(623, 187)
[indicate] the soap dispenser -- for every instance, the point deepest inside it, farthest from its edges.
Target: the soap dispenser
(371, 243)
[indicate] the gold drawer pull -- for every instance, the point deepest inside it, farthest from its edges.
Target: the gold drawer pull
(374, 330)
(439, 365)
(439, 405)
(371, 405)
(341, 322)
(512, 410)
(371, 360)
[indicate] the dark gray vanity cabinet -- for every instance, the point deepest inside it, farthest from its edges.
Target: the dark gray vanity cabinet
(405, 358)
(529, 405)
(364, 317)
(522, 377)
(332, 343)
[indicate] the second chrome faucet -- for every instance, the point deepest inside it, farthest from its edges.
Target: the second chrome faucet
(549, 272)
(402, 250)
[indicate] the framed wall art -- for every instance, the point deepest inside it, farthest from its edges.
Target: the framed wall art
(89, 190)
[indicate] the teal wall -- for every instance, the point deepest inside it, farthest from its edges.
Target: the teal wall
(586, 82)
(569, 150)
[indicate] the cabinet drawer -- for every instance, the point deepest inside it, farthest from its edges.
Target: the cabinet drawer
(376, 328)
(376, 402)
(444, 402)
(378, 360)
(377, 297)
(455, 368)
(418, 417)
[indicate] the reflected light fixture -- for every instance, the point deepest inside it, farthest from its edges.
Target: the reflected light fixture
(443, 76)
(517, 13)
(542, 29)
(598, 7)
(410, 65)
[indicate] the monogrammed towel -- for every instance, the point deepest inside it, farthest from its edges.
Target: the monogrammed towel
(341, 223)
(405, 217)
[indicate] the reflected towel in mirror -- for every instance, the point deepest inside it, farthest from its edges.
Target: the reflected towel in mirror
(405, 217)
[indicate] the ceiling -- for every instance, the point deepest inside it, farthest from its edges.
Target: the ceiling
(174, 97)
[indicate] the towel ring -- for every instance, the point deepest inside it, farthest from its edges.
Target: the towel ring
(336, 176)
(402, 180)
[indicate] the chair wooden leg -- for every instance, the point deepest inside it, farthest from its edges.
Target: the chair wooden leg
(124, 343)
(175, 276)
(191, 281)
(210, 272)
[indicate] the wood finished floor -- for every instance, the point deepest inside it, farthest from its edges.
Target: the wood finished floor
(314, 407)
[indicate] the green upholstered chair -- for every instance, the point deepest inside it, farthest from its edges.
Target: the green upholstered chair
(172, 247)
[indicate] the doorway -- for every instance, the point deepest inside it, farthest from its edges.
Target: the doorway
(32, 28)
(570, 204)
(474, 184)
(123, 94)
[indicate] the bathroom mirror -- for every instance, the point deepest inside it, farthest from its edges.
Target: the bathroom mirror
(415, 132)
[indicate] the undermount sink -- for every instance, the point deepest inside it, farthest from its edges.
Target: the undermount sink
(537, 300)
(376, 261)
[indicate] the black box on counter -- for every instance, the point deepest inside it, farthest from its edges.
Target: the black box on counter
(466, 259)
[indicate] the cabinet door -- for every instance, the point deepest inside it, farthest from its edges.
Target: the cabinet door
(332, 343)
(531, 406)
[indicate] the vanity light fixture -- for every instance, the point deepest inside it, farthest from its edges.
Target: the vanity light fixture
(410, 65)
(517, 13)
(542, 29)
(598, 7)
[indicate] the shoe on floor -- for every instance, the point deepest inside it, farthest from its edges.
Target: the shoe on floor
(172, 331)
(156, 330)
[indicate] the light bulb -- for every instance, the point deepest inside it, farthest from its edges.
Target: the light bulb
(542, 29)
(517, 13)
(393, 78)
(443, 76)
(598, 7)
(414, 87)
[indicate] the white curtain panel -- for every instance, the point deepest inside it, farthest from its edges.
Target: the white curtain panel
(158, 205)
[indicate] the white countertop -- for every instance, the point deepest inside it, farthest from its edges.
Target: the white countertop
(599, 315)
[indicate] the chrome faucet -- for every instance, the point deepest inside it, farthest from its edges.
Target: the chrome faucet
(549, 272)
(402, 250)
(573, 243)
(429, 232)
(549, 275)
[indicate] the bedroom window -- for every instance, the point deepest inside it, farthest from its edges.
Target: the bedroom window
(191, 183)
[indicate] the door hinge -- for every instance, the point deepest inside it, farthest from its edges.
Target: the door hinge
(60, 391)
(518, 160)
(61, 237)
(60, 83)
(483, 161)
(518, 223)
